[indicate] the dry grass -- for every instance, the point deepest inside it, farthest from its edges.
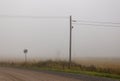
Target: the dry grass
(110, 64)
(93, 67)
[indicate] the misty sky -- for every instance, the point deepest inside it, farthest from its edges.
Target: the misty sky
(49, 37)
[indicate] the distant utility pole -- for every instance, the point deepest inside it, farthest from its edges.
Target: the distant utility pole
(70, 42)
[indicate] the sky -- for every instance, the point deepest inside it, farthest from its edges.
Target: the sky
(47, 35)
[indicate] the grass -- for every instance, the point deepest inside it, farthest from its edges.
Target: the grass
(62, 66)
(91, 73)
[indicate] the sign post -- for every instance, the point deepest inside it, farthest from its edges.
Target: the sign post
(25, 52)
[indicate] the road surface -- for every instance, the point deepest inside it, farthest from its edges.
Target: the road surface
(14, 74)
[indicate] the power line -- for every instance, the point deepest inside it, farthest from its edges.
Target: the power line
(36, 17)
(81, 22)
(96, 25)
(99, 22)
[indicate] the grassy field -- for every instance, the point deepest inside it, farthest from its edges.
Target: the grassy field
(95, 68)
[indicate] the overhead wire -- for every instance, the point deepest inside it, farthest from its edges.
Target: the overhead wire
(96, 23)
(99, 22)
(77, 22)
(36, 17)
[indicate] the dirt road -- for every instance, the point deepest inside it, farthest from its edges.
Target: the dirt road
(14, 74)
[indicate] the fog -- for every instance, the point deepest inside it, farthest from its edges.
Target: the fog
(42, 27)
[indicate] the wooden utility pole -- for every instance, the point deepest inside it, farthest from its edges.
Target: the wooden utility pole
(70, 42)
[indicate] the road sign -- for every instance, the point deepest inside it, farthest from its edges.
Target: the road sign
(25, 51)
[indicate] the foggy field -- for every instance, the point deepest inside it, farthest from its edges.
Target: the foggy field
(72, 37)
(93, 66)
(112, 63)
(108, 65)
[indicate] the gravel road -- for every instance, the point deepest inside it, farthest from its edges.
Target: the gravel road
(14, 74)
